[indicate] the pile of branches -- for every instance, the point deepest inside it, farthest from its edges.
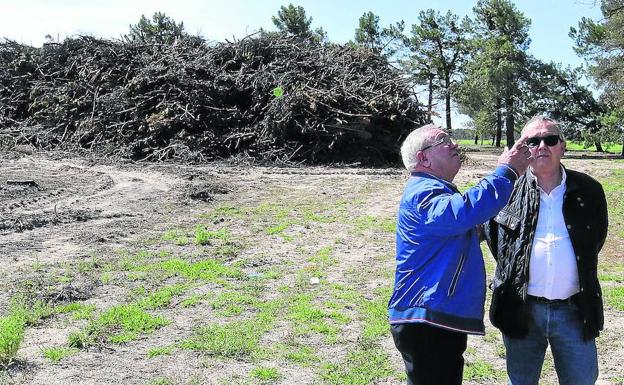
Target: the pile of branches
(271, 96)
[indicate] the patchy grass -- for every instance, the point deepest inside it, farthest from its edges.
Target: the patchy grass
(77, 310)
(210, 270)
(119, 324)
(238, 339)
(160, 351)
(482, 371)
(371, 223)
(204, 236)
(265, 374)
(280, 284)
(614, 191)
(614, 297)
(233, 303)
(56, 354)
(162, 297)
(11, 335)
(361, 367)
(160, 381)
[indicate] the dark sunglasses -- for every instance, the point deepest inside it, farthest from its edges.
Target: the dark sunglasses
(550, 140)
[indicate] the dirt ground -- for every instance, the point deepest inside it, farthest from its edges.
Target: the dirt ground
(57, 210)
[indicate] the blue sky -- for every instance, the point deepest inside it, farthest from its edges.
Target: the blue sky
(28, 21)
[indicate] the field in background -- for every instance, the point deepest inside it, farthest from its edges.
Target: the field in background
(224, 274)
(570, 145)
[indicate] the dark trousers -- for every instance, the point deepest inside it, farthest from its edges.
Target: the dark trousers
(432, 355)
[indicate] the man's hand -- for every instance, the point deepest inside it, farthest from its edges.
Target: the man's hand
(518, 156)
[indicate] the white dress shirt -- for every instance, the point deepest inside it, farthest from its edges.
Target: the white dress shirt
(553, 273)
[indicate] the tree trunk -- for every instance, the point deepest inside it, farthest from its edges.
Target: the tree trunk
(622, 152)
(509, 121)
(448, 110)
(430, 100)
(499, 123)
(476, 138)
(447, 97)
(598, 145)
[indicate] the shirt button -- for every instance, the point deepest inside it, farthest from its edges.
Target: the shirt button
(581, 204)
(588, 227)
(569, 227)
(578, 257)
(581, 290)
(584, 321)
(578, 199)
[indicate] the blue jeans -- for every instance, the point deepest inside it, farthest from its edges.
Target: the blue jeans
(576, 360)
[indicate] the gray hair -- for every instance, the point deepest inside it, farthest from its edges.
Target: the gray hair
(414, 142)
(546, 120)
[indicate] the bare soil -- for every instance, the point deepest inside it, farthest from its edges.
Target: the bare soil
(57, 210)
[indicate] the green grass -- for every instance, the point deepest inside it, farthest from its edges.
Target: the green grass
(160, 351)
(204, 236)
(193, 300)
(300, 354)
(277, 229)
(77, 310)
(119, 324)
(178, 237)
(375, 314)
(369, 222)
(224, 212)
(12, 329)
(611, 272)
(206, 270)
(324, 257)
(56, 354)
(265, 374)
(614, 190)
(233, 303)
(307, 317)
(238, 339)
(614, 297)
(481, 370)
(162, 297)
(361, 367)
(160, 381)
(614, 148)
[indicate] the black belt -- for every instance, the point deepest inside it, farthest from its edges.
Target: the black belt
(548, 301)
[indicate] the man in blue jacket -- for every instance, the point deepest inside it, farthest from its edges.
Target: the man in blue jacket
(439, 289)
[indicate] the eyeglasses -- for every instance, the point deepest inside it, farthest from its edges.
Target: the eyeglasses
(550, 140)
(446, 140)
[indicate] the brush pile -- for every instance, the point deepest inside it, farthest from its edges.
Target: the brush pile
(269, 97)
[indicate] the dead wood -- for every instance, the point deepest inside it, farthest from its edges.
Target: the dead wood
(270, 97)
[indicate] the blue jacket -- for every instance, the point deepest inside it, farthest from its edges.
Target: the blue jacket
(440, 275)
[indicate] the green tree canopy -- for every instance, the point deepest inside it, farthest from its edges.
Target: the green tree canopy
(293, 20)
(160, 29)
(368, 33)
(601, 43)
(499, 60)
(439, 46)
(386, 41)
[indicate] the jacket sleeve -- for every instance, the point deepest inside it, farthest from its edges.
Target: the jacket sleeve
(454, 213)
(490, 233)
(603, 218)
